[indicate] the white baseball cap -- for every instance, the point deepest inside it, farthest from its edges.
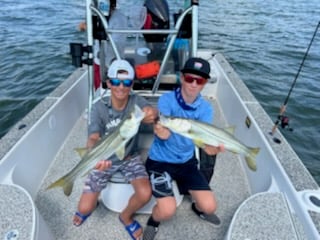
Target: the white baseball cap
(118, 65)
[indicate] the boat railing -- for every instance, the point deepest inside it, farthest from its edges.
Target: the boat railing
(173, 33)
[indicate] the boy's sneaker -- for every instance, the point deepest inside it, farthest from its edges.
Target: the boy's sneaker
(150, 232)
(212, 218)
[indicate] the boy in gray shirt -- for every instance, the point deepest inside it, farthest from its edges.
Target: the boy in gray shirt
(105, 116)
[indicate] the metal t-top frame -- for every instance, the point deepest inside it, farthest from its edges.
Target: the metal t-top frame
(92, 9)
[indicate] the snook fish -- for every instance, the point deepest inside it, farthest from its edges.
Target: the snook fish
(113, 143)
(202, 133)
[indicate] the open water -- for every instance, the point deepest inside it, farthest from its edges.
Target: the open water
(265, 42)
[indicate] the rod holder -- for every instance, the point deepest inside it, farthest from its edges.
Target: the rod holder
(77, 51)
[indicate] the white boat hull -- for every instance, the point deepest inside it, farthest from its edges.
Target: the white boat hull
(26, 163)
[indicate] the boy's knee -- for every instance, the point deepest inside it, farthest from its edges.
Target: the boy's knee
(166, 209)
(145, 195)
(170, 210)
(208, 207)
(143, 192)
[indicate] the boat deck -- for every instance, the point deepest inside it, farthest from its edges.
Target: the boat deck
(228, 183)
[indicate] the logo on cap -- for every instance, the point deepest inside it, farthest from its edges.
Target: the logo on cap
(197, 65)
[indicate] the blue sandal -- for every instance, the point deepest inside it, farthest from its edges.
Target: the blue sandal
(83, 217)
(132, 228)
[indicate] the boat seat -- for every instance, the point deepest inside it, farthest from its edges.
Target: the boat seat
(250, 212)
(118, 191)
(20, 218)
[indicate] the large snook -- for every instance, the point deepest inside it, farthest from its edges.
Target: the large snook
(202, 133)
(113, 143)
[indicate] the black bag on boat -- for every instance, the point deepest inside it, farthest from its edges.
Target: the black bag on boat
(207, 164)
(157, 18)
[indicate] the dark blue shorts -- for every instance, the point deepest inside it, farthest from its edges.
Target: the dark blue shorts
(187, 176)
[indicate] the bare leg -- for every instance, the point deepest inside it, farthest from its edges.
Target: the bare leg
(204, 200)
(205, 206)
(86, 205)
(164, 209)
(141, 196)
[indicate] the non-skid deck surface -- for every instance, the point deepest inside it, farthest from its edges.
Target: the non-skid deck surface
(228, 184)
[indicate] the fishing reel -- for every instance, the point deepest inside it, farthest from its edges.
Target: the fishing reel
(284, 122)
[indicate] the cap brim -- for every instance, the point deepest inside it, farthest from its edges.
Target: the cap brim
(192, 71)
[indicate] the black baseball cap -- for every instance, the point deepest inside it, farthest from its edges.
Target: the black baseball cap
(197, 66)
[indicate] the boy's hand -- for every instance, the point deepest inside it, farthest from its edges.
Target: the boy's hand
(161, 131)
(213, 150)
(82, 26)
(103, 165)
(151, 114)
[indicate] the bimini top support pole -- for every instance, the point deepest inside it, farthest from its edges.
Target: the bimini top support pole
(90, 55)
(195, 18)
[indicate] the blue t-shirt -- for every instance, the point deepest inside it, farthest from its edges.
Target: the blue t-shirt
(178, 149)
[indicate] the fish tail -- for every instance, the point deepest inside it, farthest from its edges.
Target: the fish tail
(63, 182)
(251, 158)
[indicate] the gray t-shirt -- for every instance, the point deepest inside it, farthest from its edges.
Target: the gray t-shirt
(105, 119)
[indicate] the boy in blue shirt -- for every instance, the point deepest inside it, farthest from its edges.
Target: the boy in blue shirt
(171, 156)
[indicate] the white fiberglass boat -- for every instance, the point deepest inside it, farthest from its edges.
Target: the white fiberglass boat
(280, 200)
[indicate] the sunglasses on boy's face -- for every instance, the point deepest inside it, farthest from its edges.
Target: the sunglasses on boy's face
(190, 79)
(125, 82)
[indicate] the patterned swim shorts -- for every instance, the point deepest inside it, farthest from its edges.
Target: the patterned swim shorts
(131, 169)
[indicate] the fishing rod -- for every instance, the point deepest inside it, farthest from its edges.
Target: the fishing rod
(284, 120)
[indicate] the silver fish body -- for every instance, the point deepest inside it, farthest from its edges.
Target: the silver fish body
(202, 133)
(110, 144)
